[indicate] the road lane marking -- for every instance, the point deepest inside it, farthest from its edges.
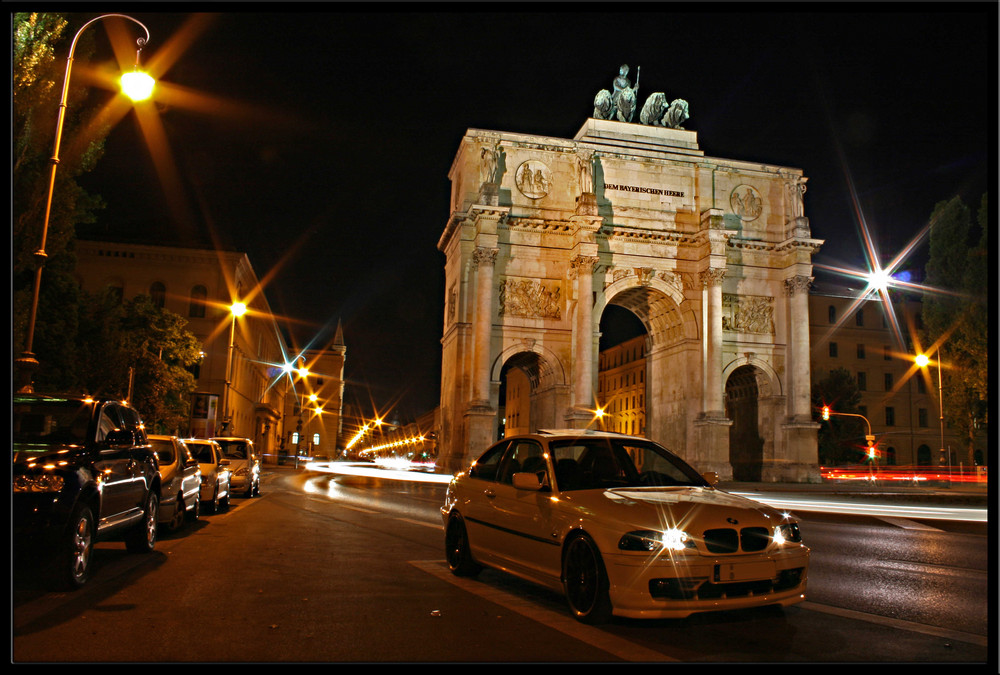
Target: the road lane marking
(900, 624)
(908, 524)
(565, 624)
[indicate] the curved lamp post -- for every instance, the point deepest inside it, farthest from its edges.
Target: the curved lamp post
(136, 85)
(237, 309)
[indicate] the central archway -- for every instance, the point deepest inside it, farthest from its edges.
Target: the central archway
(671, 348)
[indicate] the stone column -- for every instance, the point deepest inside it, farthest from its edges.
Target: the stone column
(799, 380)
(801, 460)
(485, 259)
(583, 375)
(712, 404)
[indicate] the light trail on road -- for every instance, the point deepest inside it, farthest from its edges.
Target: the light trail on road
(813, 503)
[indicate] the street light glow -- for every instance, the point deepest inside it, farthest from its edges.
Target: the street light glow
(137, 85)
(238, 309)
(922, 360)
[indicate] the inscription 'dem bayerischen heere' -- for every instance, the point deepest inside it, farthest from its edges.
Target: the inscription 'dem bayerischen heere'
(646, 190)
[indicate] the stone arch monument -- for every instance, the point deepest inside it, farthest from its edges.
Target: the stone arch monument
(713, 256)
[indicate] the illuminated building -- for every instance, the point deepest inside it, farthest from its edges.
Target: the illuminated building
(200, 285)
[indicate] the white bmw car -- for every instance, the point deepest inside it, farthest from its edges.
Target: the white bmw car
(622, 526)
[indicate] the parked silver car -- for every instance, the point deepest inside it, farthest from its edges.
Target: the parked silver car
(244, 462)
(215, 474)
(180, 481)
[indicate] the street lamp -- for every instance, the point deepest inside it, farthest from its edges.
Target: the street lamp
(133, 84)
(923, 361)
(237, 309)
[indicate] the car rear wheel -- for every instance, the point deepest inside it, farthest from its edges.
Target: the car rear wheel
(456, 544)
(142, 538)
(76, 549)
(586, 581)
(178, 519)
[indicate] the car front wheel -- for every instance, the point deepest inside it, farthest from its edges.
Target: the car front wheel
(586, 581)
(76, 549)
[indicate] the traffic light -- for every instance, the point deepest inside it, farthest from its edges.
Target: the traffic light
(826, 412)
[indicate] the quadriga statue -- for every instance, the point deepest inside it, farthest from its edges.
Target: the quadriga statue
(657, 112)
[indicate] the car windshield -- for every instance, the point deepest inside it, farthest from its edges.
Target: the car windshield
(606, 462)
(164, 450)
(202, 452)
(51, 422)
(234, 449)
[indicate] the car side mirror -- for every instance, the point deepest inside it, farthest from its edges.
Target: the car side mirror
(710, 477)
(117, 439)
(527, 481)
(224, 462)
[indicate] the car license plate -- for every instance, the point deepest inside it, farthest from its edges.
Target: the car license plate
(744, 571)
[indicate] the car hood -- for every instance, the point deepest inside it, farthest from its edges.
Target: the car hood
(695, 508)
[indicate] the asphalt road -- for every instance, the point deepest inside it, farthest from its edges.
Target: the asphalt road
(338, 569)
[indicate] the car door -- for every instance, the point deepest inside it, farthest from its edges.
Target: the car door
(188, 468)
(114, 464)
(476, 502)
(523, 518)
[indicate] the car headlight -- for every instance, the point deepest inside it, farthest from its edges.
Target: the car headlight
(652, 541)
(787, 533)
(43, 482)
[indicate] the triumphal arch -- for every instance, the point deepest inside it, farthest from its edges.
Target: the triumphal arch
(714, 256)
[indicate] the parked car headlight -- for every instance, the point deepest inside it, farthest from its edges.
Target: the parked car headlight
(787, 533)
(43, 482)
(652, 541)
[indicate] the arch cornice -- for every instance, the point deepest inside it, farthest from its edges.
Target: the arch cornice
(750, 359)
(552, 371)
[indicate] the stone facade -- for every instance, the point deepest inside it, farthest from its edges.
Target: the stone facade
(713, 256)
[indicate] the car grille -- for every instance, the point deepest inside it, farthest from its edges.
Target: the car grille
(730, 540)
(703, 589)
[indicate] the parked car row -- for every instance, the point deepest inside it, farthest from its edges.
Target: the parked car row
(85, 470)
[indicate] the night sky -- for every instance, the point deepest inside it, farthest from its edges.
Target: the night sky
(325, 143)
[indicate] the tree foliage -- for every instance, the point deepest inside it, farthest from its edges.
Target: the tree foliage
(139, 345)
(841, 438)
(957, 318)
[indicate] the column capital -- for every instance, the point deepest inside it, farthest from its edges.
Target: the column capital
(713, 276)
(485, 256)
(800, 283)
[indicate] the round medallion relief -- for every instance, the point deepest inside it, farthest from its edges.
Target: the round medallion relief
(533, 179)
(746, 202)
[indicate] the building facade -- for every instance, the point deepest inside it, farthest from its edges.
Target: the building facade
(714, 257)
(899, 400)
(201, 286)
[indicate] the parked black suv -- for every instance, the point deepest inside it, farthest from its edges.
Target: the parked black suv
(83, 470)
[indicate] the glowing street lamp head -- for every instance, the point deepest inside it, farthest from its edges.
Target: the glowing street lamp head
(922, 360)
(238, 309)
(137, 85)
(879, 280)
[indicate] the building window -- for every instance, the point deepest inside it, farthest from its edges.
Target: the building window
(831, 314)
(922, 417)
(921, 384)
(886, 353)
(888, 381)
(861, 351)
(158, 293)
(890, 416)
(859, 317)
(862, 381)
(196, 309)
(833, 350)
